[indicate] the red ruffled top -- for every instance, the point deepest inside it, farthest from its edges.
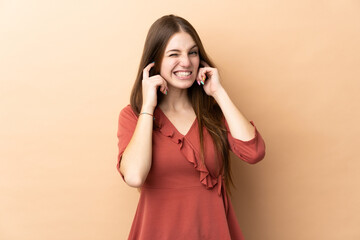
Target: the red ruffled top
(182, 198)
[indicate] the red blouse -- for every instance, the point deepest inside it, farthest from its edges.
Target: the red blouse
(181, 198)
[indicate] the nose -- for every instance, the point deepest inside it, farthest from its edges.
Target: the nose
(185, 61)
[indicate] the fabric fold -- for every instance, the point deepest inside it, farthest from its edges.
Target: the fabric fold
(191, 155)
(189, 152)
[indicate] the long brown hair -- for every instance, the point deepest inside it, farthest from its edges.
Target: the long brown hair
(208, 112)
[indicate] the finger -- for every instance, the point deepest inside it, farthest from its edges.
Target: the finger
(161, 84)
(204, 63)
(165, 87)
(206, 70)
(203, 80)
(198, 78)
(203, 76)
(147, 69)
(162, 87)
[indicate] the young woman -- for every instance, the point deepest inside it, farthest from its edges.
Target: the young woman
(175, 137)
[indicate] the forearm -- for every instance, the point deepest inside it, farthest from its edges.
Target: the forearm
(240, 127)
(137, 157)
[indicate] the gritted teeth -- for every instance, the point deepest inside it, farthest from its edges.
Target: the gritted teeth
(182, 73)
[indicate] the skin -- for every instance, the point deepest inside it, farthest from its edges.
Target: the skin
(175, 88)
(185, 59)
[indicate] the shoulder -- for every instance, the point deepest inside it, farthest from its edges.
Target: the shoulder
(127, 114)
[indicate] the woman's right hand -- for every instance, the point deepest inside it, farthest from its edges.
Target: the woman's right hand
(150, 86)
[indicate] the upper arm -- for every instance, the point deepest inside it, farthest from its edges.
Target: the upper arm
(126, 127)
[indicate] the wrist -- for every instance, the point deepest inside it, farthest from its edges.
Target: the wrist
(219, 94)
(147, 109)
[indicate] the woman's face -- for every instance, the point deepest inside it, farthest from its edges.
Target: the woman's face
(180, 61)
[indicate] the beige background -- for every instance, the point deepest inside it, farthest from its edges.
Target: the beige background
(66, 71)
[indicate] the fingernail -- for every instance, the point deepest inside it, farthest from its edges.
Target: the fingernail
(203, 78)
(153, 62)
(198, 83)
(202, 82)
(166, 92)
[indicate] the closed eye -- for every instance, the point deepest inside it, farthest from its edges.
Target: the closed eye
(175, 54)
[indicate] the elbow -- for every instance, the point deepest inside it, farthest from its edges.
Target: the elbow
(256, 157)
(133, 177)
(133, 181)
(258, 154)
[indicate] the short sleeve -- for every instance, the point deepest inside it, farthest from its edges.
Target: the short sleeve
(251, 151)
(126, 127)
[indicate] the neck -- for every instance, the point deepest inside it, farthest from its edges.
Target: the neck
(176, 100)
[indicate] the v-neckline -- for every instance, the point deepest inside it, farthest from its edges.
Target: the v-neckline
(173, 126)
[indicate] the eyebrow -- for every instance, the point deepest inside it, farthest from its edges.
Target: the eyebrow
(177, 50)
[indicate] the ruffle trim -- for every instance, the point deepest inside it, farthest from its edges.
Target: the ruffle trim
(165, 127)
(186, 148)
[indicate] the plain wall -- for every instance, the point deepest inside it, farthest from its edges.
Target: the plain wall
(67, 69)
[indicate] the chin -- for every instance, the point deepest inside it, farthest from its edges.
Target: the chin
(181, 85)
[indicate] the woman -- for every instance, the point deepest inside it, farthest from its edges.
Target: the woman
(175, 137)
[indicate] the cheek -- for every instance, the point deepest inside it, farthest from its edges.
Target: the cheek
(196, 62)
(168, 67)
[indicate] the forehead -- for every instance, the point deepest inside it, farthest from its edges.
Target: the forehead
(180, 40)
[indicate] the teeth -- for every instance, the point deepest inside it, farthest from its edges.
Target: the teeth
(182, 74)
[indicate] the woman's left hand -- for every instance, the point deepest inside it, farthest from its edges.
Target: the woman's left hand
(210, 77)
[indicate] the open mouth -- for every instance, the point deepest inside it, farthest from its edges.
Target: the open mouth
(183, 74)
